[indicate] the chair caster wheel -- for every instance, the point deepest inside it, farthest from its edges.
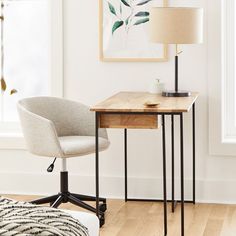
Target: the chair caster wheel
(103, 207)
(102, 220)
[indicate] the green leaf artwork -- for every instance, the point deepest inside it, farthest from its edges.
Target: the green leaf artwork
(141, 21)
(126, 13)
(117, 25)
(142, 13)
(125, 3)
(112, 9)
(143, 2)
(127, 21)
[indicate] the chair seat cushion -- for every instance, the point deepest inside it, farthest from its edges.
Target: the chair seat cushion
(81, 145)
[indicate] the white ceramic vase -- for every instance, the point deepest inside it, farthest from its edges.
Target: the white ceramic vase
(157, 87)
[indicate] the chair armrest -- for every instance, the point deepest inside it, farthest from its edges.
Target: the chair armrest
(40, 134)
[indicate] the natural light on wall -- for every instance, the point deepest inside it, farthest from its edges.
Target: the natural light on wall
(27, 43)
(31, 60)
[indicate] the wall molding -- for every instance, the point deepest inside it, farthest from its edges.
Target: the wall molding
(228, 72)
(215, 73)
(210, 191)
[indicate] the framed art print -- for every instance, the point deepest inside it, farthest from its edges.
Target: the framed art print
(124, 31)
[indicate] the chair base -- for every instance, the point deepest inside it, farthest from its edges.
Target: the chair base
(77, 199)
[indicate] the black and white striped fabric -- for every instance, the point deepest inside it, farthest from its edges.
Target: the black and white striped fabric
(25, 219)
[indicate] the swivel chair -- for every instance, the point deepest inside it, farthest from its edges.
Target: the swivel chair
(60, 128)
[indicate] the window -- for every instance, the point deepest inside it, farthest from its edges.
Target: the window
(33, 55)
(222, 77)
(228, 72)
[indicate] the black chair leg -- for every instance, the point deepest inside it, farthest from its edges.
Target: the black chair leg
(79, 203)
(45, 200)
(65, 196)
(88, 198)
(58, 201)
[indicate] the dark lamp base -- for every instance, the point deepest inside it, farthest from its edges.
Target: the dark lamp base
(176, 94)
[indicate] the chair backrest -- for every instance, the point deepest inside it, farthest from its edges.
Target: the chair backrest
(66, 118)
(69, 117)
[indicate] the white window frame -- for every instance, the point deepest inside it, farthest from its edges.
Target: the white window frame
(57, 45)
(221, 79)
(228, 72)
(10, 134)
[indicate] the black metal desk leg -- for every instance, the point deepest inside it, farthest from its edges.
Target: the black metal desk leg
(125, 153)
(97, 163)
(173, 162)
(182, 172)
(194, 157)
(164, 173)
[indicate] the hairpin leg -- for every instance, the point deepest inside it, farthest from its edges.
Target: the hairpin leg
(164, 173)
(182, 172)
(194, 159)
(97, 164)
(125, 153)
(173, 162)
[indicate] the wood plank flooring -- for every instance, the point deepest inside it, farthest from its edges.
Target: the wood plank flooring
(146, 219)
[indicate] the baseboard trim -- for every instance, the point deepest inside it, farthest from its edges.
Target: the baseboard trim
(208, 191)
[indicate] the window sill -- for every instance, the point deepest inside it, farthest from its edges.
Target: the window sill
(229, 140)
(12, 141)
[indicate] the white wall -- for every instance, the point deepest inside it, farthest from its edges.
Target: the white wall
(89, 81)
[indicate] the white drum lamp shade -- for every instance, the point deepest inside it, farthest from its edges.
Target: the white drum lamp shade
(176, 25)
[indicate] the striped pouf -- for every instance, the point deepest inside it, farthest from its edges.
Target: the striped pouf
(25, 219)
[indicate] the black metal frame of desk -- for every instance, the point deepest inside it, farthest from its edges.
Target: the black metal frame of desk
(173, 201)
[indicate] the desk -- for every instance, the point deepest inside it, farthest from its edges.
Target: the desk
(126, 110)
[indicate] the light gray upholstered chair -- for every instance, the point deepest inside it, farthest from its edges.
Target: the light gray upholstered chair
(59, 128)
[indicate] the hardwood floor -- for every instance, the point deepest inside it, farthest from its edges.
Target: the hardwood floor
(146, 219)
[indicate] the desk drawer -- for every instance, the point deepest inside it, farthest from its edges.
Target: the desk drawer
(128, 121)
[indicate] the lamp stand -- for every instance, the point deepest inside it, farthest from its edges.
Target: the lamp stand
(176, 92)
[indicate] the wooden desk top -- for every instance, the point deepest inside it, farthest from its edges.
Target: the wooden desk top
(134, 102)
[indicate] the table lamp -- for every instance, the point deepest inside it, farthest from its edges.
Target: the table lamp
(176, 25)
